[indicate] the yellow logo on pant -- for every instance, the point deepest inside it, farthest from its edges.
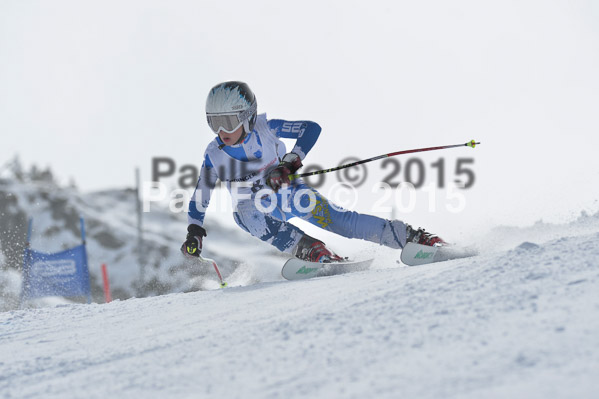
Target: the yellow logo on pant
(321, 212)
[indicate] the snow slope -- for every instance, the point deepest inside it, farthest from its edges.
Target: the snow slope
(517, 323)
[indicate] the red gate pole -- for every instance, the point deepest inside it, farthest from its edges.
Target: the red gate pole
(106, 284)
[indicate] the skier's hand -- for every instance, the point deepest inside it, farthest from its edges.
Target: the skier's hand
(290, 163)
(193, 244)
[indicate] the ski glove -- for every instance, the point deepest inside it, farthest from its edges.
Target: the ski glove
(290, 163)
(193, 244)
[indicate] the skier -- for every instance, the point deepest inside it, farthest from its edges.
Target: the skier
(248, 156)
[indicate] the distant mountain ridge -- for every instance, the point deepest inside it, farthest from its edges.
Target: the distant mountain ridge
(112, 238)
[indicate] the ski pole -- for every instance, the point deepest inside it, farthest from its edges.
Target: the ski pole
(220, 277)
(471, 143)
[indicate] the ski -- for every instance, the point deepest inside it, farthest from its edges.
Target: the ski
(297, 269)
(416, 254)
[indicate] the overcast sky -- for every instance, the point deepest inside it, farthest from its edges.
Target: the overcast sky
(95, 89)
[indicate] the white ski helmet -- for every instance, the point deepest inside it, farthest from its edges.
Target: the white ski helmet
(230, 105)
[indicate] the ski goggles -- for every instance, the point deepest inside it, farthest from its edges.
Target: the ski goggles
(229, 122)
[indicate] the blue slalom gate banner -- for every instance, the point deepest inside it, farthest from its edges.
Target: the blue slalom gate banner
(60, 274)
(63, 273)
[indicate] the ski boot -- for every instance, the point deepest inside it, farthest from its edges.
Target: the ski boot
(313, 250)
(422, 237)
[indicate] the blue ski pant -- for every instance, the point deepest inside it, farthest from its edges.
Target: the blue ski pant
(267, 219)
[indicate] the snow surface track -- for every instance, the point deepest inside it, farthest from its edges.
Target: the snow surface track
(521, 323)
